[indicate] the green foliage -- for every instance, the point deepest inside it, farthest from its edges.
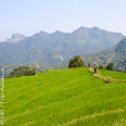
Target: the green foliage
(109, 66)
(100, 67)
(23, 71)
(76, 62)
(71, 97)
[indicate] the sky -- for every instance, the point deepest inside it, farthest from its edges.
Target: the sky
(28, 17)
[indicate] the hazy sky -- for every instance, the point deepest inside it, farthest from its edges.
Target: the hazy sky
(30, 16)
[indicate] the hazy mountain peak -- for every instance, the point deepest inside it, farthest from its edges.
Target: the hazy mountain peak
(43, 32)
(16, 38)
(40, 34)
(95, 28)
(80, 30)
(83, 29)
(57, 32)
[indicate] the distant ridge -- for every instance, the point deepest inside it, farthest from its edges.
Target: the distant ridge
(55, 48)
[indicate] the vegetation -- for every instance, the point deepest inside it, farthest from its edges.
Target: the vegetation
(100, 67)
(72, 97)
(23, 71)
(76, 62)
(109, 66)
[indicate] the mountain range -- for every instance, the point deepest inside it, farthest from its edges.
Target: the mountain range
(52, 49)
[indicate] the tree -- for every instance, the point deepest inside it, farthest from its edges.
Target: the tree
(22, 71)
(100, 67)
(76, 62)
(109, 66)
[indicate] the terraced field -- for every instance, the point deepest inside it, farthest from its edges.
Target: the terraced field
(114, 74)
(71, 97)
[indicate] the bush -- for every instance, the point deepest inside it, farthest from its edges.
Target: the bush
(100, 67)
(23, 71)
(76, 62)
(109, 66)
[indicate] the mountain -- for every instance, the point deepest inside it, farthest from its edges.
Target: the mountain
(117, 55)
(52, 49)
(15, 38)
(93, 40)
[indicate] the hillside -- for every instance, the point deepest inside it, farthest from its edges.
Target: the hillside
(52, 49)
(117, 55)
(65, 98)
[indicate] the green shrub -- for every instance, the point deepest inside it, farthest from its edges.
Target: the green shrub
(76, 62)
(100, 67)
(110, 66)
(23, 71)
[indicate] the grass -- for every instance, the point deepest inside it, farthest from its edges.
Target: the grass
(71, 97)
(114, 74)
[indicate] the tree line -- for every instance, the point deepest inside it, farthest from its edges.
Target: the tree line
(75, 62)
(23, 71)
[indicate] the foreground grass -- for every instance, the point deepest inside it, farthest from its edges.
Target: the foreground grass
(65, 98)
